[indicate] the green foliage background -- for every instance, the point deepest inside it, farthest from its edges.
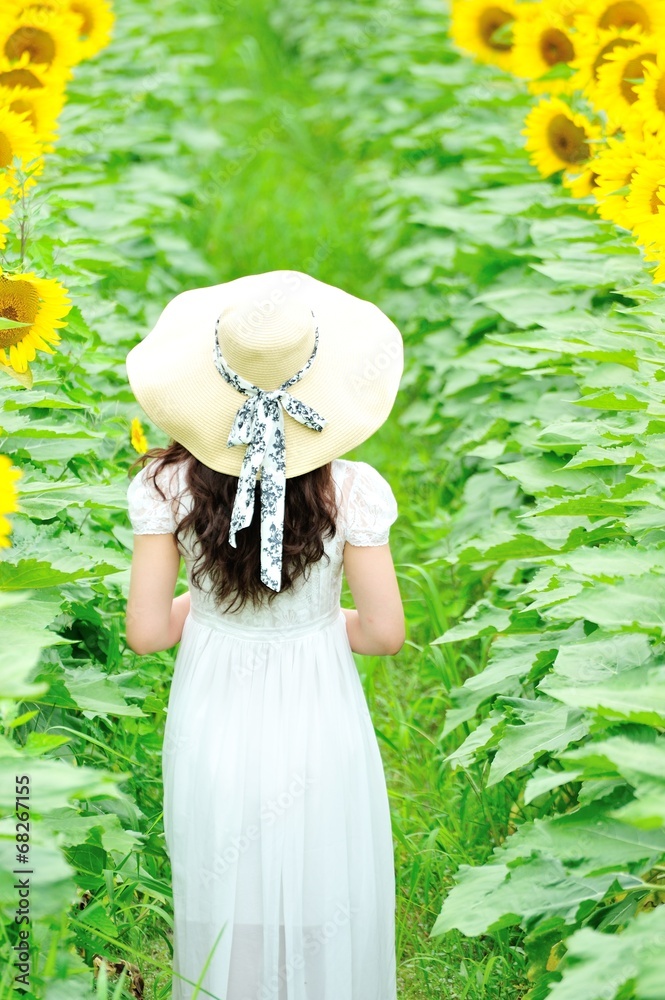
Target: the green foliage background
(522, 725)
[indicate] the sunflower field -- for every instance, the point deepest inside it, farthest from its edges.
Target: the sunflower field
(492, 174)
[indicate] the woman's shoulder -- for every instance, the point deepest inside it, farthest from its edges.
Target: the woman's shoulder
(368, 506)
(355, 469)
(157, 496)
(169, 477)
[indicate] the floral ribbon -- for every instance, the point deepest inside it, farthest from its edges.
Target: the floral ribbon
(259, 423)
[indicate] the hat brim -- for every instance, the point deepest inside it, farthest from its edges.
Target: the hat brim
(352, 382)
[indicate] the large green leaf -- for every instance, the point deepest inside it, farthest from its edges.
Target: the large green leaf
(96, 693)
(495, 895)
(600, 966)
(544, 728)
(23, 636)
(588, 842)
(636, 694)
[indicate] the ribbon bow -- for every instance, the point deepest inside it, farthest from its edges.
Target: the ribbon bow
(259, 423)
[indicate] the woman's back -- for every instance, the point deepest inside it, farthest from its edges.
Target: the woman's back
(366, 509)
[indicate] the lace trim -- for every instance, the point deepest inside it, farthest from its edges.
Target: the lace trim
(148, 513)
(371, 507)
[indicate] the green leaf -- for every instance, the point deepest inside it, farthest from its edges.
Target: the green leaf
(637, 602)
(545, 728)
(493, 896)
(96, 694)
(10, 324)
(587, 841)
(637, 694)
(22, 638)
(598, 966)
(478, 620)
(640, 762)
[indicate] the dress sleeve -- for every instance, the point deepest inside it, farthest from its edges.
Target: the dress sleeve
(371, 508)
(148, 512)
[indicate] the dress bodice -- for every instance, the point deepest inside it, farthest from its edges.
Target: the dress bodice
(367, 507)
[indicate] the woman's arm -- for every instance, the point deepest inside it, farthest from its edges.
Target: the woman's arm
(154, 618)
(377, 627)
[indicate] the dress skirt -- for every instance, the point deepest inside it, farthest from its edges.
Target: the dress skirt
(276, 817)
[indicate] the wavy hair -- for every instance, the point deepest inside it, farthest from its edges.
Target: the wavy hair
(310, 515)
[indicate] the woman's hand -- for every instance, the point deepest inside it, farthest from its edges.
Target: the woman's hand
(179, 610)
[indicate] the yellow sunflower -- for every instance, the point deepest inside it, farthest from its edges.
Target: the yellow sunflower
(645, 202)
(40, 107)
(565, 9)
(8, 497)
(94, 19)
(649, 15)
(652, 242)
(645, 208)
(619, 80)
(137, 436)
(592, 51)
(580, 183)
(18, 141)
(480, 27)
(42, 303)
(615, 166)
(25, 74)
(43, 38)
(659, 273)
(650, 104)
(559, 138)
(96, 22)
(542, 43)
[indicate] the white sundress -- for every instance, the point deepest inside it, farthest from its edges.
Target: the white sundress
(276, 814)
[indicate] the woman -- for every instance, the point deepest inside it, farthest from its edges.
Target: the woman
(276, 815)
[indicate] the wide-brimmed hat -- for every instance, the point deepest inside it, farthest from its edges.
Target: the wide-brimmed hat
(266, 334)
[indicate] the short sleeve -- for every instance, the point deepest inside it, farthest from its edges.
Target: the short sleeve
(148, 512)
(371, 507)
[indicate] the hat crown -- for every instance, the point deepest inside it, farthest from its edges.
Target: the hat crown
(266, 340)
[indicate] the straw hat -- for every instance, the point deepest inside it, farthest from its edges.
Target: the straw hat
(265, 326)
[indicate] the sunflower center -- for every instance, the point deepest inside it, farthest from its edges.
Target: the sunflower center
(22, 107)
(624, 14)
(37, 43)
(615, 43)
(19, 301)
(633, 75)
(19, 78)
(84, 13)
(657, 200)
(556, 47)
(491, 19)
(6, 152)
(568, 140)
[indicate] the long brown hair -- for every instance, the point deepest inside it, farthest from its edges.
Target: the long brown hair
(310, 514)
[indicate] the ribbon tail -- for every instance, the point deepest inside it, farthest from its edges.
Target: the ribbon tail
(303, 413)
(272, 507)
(243, 505)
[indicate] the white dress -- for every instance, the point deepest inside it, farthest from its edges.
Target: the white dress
(276, 813)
